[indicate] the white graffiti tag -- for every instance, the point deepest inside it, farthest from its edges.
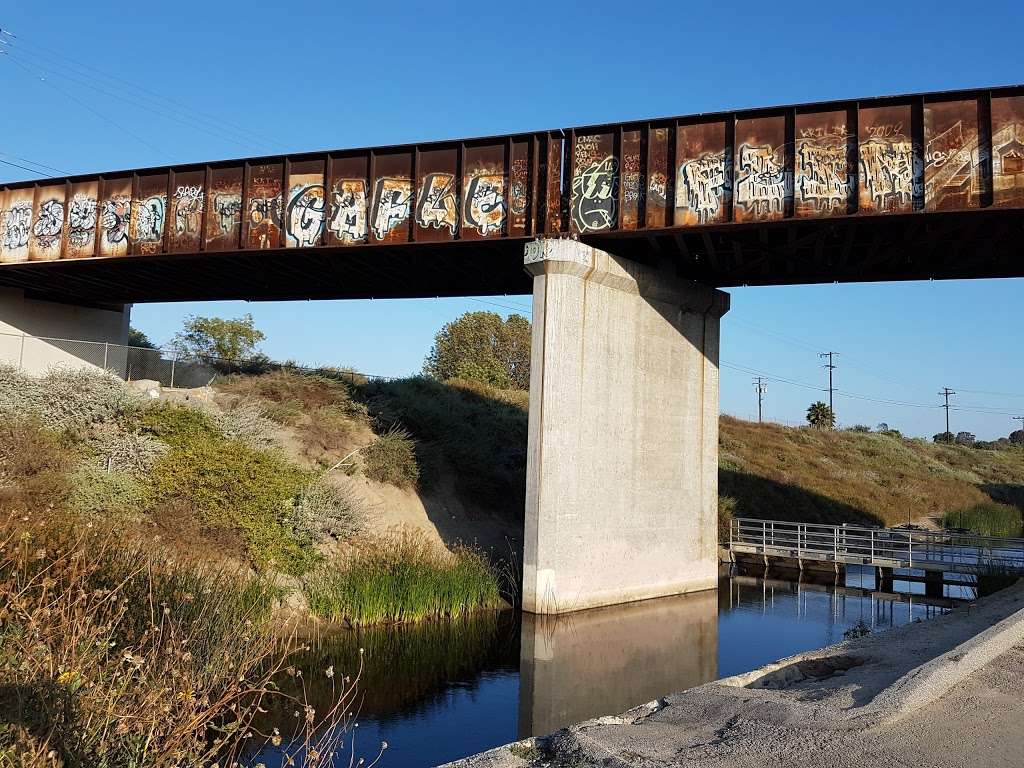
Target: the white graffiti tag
(81, 221)
(49, 223)
(188, 209)
(348, 222)
(595, 191)
(485, 202)
(701, 182)
(762, 185)
(149, 219)
(888, 172)
(822, 176)
(437, 206)
(392, 200)
(17, 225)
(306, 214)
(116, 216)
(227, 206)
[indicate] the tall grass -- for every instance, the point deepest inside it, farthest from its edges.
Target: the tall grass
(402, 578)
(114, 655)
(987, 519)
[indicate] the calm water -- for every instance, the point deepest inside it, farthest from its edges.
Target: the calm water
(440, 691)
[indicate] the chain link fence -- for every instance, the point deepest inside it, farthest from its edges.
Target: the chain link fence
(169, 367)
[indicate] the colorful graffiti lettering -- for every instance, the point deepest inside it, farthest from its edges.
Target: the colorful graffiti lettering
(887, 168)
(17, 225)
(49, 223)
(945, 146)
(437, 206)
(116, 217)
(348, 221)
(595, 195)
(262, 209)
(149, 219)
(306, 214)
(81, 221)
(762, 183)
(485, 203)
(227, 206)
(392, 199)
(188, 209)
(822, 177)
(701, 182)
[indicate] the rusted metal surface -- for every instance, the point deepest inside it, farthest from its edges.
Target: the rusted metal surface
(927, 153)
(1008, 151)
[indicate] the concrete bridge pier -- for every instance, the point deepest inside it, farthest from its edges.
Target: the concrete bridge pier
(622, 466)
(37, 334)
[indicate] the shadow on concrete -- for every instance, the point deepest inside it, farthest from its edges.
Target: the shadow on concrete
(761, 498)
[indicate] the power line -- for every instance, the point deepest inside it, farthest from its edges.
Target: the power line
(33, 162)
(246, 133)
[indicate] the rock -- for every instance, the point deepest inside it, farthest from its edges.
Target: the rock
(149, 387)
(195, 395)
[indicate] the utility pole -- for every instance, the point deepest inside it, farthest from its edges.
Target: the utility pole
(946, 392)
(1021, 420)
(831, 367)
(762, 386)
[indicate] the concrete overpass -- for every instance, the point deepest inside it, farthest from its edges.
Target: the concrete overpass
(628, 230)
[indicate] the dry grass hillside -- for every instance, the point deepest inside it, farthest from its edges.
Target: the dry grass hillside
(771, 471)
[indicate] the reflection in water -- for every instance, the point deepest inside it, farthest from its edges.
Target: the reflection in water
(439, 691)
(604, 661)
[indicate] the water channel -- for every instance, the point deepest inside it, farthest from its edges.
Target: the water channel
(439, 691)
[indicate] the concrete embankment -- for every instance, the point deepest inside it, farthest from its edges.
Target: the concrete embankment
(945, 692)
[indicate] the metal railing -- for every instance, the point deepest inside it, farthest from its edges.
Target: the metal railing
(887, 547)
(169, 367)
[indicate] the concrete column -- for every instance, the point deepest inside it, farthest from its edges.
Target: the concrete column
(622, 465)
(37, 334)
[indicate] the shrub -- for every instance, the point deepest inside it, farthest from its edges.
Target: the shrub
(178, 425)
(235, 487)
(322, 510)
(66, 398)
(820, 416)
(98, 493)
(118, 450)
(33, 463)
(328, 430)
(288, 413)
(309, 391)
(402, 578)
(391, 458)
(111, 655)
(726, 512)
(246, 423)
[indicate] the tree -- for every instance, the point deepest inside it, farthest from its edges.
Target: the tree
(480, 346)
(137, 338)
(943, 437)
(214, 338)
(965, 438)
(1017, 437)
(820, 416)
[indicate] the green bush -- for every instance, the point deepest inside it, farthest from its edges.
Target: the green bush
(987, 519)
(402, 579)
(101, 494)
(178, 425)
(726, 512)
(248, 424)
(391, 458)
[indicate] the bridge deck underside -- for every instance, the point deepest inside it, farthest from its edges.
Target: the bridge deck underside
(916, 246)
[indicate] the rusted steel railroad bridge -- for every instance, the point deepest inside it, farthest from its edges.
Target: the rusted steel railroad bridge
(936, 553)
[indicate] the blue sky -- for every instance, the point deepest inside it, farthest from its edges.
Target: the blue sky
(188, 81)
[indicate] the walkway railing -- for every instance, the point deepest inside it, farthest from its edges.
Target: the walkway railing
(885, 547)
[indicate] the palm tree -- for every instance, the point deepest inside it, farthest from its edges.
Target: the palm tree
(820, 416)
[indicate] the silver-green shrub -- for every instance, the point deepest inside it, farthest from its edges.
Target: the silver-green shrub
(248, 424)
(325, 511)
(100, 494)
(66, 398)
(117, 450)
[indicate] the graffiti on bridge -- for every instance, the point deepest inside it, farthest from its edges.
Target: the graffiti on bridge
(484, 208)
(437, 207)
(348, 217)
(304, 219)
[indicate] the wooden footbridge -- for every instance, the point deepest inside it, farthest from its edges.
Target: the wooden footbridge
(934, 552)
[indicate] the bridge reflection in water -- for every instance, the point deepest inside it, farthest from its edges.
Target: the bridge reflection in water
(577, 666)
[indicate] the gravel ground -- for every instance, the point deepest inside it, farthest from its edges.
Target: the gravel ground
(946, 692)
